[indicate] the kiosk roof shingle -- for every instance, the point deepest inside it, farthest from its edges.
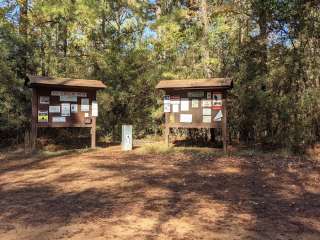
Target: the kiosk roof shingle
(219, 83)
(67, 82)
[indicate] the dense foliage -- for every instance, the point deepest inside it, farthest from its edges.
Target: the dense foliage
(270, 48)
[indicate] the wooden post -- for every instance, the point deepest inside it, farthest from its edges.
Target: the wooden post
(93, 133)
(224, 123)
(27, 143)
(167, 130)
(34, 119)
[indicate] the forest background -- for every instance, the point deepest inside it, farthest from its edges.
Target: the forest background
(270, 48)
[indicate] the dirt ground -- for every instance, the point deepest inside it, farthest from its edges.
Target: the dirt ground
(187, 194)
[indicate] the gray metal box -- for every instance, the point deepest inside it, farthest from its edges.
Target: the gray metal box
(126, 140)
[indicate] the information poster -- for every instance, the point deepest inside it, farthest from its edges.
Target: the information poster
(217, 101)
(43, 116)
(195, 103)
(166, 107)
(95, 109)
(206, 119)
(68, 98)
(206, 103)
(206, 111)
(186, 118)
(44, 100)
(65, 109)
(54, 109)
(58, 119)
(184, 104)
(166, 99)
(175, 108)
(85, 107)
(218, 117)
(74, 108)
(196, 94)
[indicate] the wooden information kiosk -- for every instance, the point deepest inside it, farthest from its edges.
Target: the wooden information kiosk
(196, 103)
(63, 102)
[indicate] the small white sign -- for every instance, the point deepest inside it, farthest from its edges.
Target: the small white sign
(166, 99)
(206, 103)
(186, 118)
(54, 109)
(218, 117)
(74, 108)
(44, 100)
(209, 95)
(85, 105)
(68, 98)
(65, 109)
(95, 109)
(206, 111)
(184, 104)
(58, 119)
(86, 114)
(195, 103)
(206, 119)
(166, 107)
(175, 108)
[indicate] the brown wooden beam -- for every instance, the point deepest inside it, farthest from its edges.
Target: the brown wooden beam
(224, 124)
(34, 102)
(167, 130)
(93, 133)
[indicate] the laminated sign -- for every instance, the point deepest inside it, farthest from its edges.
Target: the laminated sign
(54, 109)
(184, 104)
(217, 101)
(94, 109)
(44, 100)
(85, 105)
(166, 104)
(65, 109)
(42, 116)
(195, 103)
(58, 119)
(74, 108)
(206, 103)
(196, 94)
(218, 117)
(66, 98)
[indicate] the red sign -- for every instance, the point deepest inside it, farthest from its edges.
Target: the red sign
(174, 97)
(217, 107)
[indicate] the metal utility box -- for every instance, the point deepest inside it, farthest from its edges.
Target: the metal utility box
(126, 140)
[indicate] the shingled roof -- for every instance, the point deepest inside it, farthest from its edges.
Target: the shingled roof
(209, 83)
(36, 81)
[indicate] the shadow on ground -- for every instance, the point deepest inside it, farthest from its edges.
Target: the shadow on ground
(182, 195)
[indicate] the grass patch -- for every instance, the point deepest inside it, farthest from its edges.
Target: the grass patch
(162, 148)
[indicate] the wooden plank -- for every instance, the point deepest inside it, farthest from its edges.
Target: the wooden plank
(208, 83)
(34, 119)
(69, 82)
(93, 133)
(224, 123)
(58, 125)
(167, 130)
